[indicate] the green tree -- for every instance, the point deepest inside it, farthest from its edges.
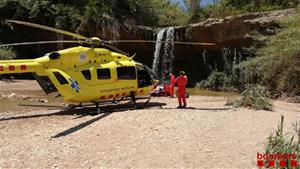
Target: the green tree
(194, 10)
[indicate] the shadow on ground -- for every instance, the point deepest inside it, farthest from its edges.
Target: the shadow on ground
(85, 111)
(194, 108)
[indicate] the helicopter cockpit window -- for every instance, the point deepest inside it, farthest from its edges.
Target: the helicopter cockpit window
(144, 79)
(126, 73)
(60, 78)
(103, 74)
(87, 74)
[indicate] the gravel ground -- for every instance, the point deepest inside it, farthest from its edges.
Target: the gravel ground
(206, 135)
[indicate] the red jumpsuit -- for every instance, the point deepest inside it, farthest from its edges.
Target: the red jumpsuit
(173, 81)
(181, 91)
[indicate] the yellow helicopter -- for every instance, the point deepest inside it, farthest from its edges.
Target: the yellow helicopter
(87, 74)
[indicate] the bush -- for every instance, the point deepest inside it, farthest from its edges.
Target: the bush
(224, 8)
(253, 97)
(278, 143)
(215, 81)
(7, 54)
(277, 65)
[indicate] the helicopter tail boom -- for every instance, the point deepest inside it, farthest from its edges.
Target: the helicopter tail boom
(18, 66)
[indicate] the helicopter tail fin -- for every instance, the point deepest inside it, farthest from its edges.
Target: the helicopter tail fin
(18, 66)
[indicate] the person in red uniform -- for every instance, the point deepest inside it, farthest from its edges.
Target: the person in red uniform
(181, 91)
(172, 84)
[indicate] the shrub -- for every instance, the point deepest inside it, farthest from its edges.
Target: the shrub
(277, 65)
(7, 54)
(279, 143)
(215, 81)
(253, 97)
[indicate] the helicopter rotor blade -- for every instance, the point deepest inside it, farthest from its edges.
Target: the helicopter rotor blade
(154, 41)
(40, 42)
(34, 25)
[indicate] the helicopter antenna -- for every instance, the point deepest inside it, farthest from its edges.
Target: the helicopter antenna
(132, 56)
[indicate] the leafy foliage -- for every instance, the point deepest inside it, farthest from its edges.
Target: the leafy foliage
(194, 10)
(278, 64)
(168, 13)
(69, 14)
(253, 97)
(228, 77)
(222, 8)
(7, 54)
(216, 81)
(279, 143)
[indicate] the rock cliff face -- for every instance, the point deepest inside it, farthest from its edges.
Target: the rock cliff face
(233, 32)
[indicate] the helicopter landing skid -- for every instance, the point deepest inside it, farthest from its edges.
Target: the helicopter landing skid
(133, 100)
(97, 104)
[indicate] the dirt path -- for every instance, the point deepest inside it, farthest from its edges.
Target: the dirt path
(207, 135)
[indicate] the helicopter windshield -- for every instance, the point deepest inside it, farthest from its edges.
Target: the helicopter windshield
(146, 76)
(150, 71)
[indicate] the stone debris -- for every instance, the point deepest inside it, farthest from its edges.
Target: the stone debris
(43, 100)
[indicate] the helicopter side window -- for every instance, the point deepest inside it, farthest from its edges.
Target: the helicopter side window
(103, 74)
(87, 74)
(126, 73)
(60, 78)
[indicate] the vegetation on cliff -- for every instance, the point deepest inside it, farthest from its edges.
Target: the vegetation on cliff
(222, 8)
(276, 65)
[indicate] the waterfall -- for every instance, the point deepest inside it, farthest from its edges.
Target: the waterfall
(157, 53)
(164, 55)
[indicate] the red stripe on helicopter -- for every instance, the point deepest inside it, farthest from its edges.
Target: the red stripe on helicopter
(124, 94)
(111, 96)
(141, 91)
(11, 68)
(1, 68)
(102, 97)
(117, 95)
(23, 67)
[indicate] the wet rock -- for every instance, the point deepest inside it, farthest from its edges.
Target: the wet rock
(23, 97)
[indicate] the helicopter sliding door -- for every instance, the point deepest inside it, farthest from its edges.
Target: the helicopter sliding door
(96, 80)
(126, 78)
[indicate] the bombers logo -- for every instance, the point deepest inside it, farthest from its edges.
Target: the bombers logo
(75, 85)
(277, 160)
